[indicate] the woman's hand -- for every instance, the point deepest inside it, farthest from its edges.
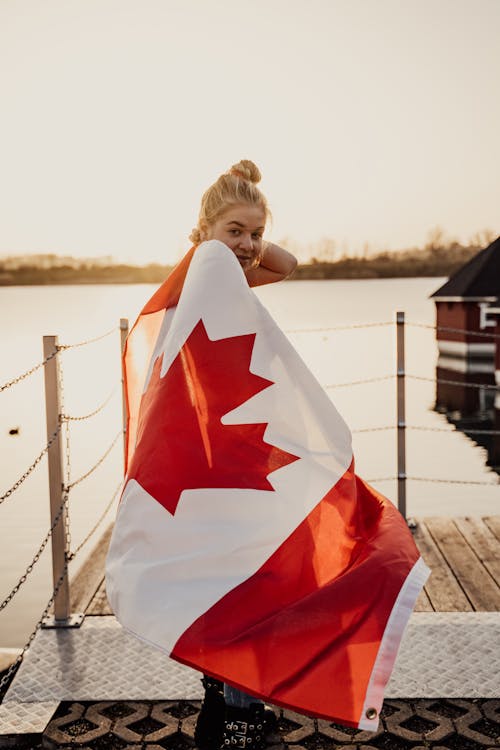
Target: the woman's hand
(274, 263)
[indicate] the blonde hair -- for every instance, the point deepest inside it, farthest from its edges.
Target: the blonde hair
(237, 185)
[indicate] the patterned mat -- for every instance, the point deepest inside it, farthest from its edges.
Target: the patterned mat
(168, 725)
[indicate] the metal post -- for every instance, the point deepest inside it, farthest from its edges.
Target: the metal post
(401, 418)
(123, 338)
(55, 462)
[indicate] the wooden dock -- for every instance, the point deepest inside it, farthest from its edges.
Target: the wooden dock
(464, 557)
(462, 553)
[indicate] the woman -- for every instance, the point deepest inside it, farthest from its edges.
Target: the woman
(234, 211)
(246, 546)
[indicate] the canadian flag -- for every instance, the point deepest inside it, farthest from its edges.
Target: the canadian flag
(245, 546)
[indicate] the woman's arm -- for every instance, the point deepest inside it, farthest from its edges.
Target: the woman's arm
(276, 264)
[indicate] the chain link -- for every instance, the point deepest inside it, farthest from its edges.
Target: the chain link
(67, 467)
(360, 382)
(36, 557)
(439, 481)
(63, 347)
(454, 481)
(481, 334)
(101, 518)
(69, 418)
(6, 678)
(453, 429)
(96, 465)
(454, 382)
(26, 374)
(373, 429)
(450, 430)
(339, 328)
(33, 466)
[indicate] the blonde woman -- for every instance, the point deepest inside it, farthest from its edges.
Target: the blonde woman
(234, 211)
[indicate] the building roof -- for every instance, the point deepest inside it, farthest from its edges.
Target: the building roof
(479, 277)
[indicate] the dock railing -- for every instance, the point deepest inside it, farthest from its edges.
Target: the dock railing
(61, 483)
(57, 613)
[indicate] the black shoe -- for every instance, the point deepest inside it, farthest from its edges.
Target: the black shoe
(271, 731)
(210, 723)
(244, 728)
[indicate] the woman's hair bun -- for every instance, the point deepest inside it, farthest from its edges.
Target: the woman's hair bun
(195, 236)
(247, 170)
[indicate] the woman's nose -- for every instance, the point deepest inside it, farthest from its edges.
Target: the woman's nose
(246, 241)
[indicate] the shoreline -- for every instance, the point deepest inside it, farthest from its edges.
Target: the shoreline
(426, 264)
(316, 272)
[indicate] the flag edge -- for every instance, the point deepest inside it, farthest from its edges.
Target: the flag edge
(391, 641)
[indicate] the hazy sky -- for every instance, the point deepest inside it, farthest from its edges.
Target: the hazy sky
(372, 120)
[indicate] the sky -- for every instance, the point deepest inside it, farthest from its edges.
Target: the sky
(372, 121)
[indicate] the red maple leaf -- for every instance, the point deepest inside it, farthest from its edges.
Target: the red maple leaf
(181, 442)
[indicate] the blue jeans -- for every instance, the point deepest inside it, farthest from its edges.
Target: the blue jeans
(238, 698)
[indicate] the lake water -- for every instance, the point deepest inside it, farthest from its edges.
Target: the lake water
(75, 313)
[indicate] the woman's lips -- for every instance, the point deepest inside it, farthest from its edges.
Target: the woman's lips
(244, 258)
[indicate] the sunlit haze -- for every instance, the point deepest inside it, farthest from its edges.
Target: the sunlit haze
(372, 121)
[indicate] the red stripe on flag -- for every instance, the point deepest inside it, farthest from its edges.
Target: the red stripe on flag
(305, 629)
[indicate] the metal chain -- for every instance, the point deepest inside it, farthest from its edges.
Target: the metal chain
(428, 429)
(6, 678)
(440, 481)
(454, 382)
(454, 330)
(360, 382)
(456, 429)
(88, 341)
(99, 462)
(69, 418)
(61, 347)
(454, 481)
(67, 467)
(28, 471)
(26, 374)
(373, 429)
(101, 518)
(339, 328)
(36, 557)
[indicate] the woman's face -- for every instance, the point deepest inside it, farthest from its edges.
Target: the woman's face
(241, 229)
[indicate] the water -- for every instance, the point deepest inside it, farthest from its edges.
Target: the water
(76, 313)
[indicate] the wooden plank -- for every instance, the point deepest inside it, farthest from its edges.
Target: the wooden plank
(481, 590)
(90, 576)
(99, 604)
(483, 542)
(442, 587)
(423, 603)
(493, 523)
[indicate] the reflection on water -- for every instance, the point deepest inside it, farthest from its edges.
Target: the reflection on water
(467, 396)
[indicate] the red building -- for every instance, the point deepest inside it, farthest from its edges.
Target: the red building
(468, 364)
(469, 303)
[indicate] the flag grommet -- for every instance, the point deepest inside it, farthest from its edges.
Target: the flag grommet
(371, 713)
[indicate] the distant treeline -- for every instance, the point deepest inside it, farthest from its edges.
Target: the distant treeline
(437, 258)
(119, 273)
(438, 262)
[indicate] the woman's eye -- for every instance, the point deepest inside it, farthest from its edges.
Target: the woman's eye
(257, 236)
(235, 232)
